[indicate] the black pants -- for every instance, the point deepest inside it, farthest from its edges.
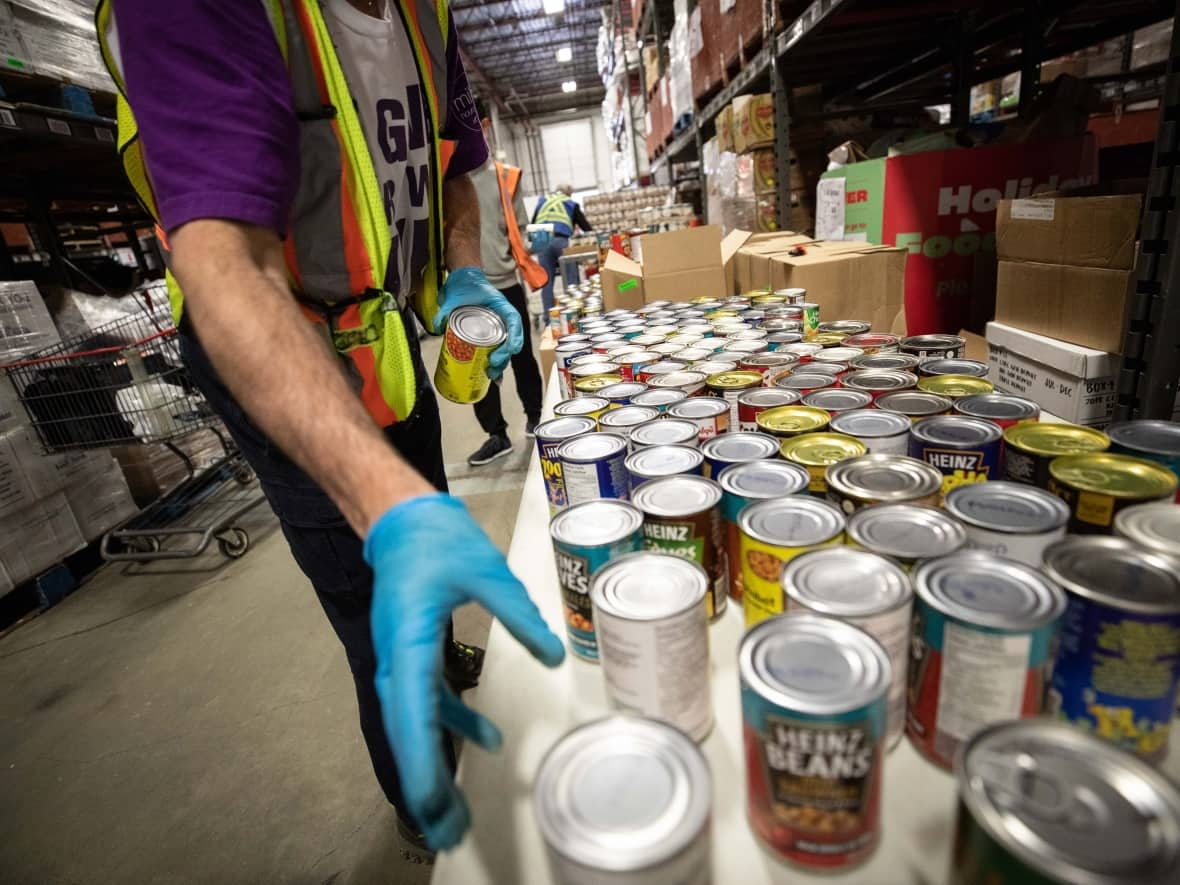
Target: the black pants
(324, 546)
(524, 369)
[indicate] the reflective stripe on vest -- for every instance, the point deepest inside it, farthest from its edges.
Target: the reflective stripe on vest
(554, 211)
(338, 245)
(508, 178)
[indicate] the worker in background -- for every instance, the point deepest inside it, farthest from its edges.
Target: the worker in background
(503, 222)
(300, 164)
(563, 212)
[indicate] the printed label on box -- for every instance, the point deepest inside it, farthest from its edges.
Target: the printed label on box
(1080, 400)
(1034, 210)
(829, 209)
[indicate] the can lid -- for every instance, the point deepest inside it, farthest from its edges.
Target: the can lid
(768, 397)
(880, 379)
(817, 366)
(847, 327)
(771, 360)
(563, 428)
(756, 480)
(884, 478)
(1070, 806)
(693, 355)
(588, 369)
(595, 383)
(804, 380)
(742, 446)
(678, 379)
(627, 416)
(1119, 476)
(716, 366)
(955, 366)
(664, 431)
(845, 583)
(871, 423)
(665, 367)
(477, 325)
(803, 348)
(1051, 440)
(821, 449)
(837, 354)
(623, 793)
(955, 385)
(698, 407)
(1001, 406)
(927, 342)
(579, 346)
(664, 460)
(744, 346)
(989, 591)
(1156, 437)
(836, 399)
(591, 447)
(871, 339)
(595, 523)
(649, 586)
(913, 403)
(907, 532)
(885, 361)
(581, 405)
(1007, 507)
(1153, 526)
(792, 419)
(1115, 571)
(956, 430)
(813, 664)
(795, 521)
(622, 389)
(677, 496)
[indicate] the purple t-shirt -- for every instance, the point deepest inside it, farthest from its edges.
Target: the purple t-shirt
(216, 116)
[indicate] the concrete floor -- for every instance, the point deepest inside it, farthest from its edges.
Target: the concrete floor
(196, 722)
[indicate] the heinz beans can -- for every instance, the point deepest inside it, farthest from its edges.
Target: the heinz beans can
(983, 635)
(1118, 663)
(814, 713)
(585, 538)
(550, 436)
(964, 450)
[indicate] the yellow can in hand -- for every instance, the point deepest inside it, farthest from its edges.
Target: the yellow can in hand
(462, 371)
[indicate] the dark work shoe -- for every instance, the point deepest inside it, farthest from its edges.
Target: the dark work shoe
(462, 665)
(495, 447)
(530, 428)
(414, 850)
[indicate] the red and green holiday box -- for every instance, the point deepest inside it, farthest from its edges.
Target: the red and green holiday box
(941, 207)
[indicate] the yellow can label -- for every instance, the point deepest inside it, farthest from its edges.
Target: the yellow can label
(461, 374)
(762, 565)
(1094, 508)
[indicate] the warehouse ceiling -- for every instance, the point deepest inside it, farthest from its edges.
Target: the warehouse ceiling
(510, 49)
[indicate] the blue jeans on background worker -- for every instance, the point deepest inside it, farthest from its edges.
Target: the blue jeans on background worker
(550, 258)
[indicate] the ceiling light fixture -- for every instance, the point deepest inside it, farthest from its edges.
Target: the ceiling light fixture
(565, 54)
(553, 7)
(569, 86)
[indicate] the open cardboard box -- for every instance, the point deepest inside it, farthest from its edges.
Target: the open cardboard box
(677, 266)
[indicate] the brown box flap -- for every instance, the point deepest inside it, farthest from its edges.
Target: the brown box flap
(1078, 231)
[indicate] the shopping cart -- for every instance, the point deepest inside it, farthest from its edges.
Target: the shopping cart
(124, 383)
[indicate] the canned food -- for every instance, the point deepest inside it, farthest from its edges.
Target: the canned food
(659, 399)
(828, 340)
(1154, 527)
(748, 334)
(666, 349)
(814, 710)
(1000, 408)
(964, 450)
(620, 394)
(793, 295)
(1040, 803)
(914, 404)
(744, 347)
(654, 462)
(834, 400)
(622, 350)
(810, 319)
(973, 368)
(878, 382)
(729, 386)
(653, 638)
(604, 341)
(774, 532)
(867, 591)
(788, 421)
(762, 362)
(592, 466)
(882, 479)
(693, 355)
(587, 359)
(742, 484)
(1157, 441)
(647, 340)
(882, 432)
(1030, 447)
(933, 347)
(845, 327)
(736, 447)
(550, 437)
(906, 533)
(563, 354)
(1009, 519)
(681, 516)
(804, 350)
(586, 406)
(778, 339)
(580, 370)
(904, 361)
(590, 386)
(685, 339)
(715, 366)
(710, 414)
(624, 419)
(983, 631)
(630, 365)
(461, 373)
(663, 367)
(1118, 664)
(1097, 486)
(752, 403)
(585, 538)
(816, 451)
(955, 386)
(837, 355)
(873, 342)
(690, 381)
(664, 432)
(803, 381)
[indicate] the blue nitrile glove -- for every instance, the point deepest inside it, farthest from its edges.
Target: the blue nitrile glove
(468, 286)
(429, 557)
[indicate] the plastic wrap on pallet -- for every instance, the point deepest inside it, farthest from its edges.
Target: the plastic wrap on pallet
(40, 535)
(680, 65)
(16, 494)
(101, 501)
(46, 474)
(12, 413)
(58, 37)
(25, 323)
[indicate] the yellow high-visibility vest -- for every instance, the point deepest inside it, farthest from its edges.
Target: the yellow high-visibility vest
(555, 211)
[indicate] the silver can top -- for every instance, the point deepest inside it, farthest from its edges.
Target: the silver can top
(884, 478)
(590, 369)
(623, 794)
(652, 462)
(1007, 507)
(989, 591)
(649, 586)
(696, 407)
(656, 397)
(637, 357)
(591, 447)
(688, 378)
(622, 390)
(1154, 527)
(768, 397)
(914, 403)
(805, 380)
(1116, 572)
(907, 532)
(1070, 806)
(880, 379)
(715, 366)
(956, 430)
(580, 405)
(846, 583)
(674, 496)
(665, 431)
(813, 664)
(902, 361)
(628, 416)
(840, 354)
(870, 423)
(595, 523)
(556, 429)
(933, 342)
(477, 325)
(997, 406)
(955, 366)
(757, 480)
(837, 399)
(745, 346)
(796, 521)
(846, 327)
(1156, 437)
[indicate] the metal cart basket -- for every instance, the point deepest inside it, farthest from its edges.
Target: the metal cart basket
(124, 383)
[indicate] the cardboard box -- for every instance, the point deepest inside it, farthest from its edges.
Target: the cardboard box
(101, 501)
(39, 536)
(941, 207)
(863, 283)
(752, 262)
(724, 124)
(753, 122)
(1074, 383)
(548, 357)
(15, 492)
(677, 266)
(25, 323)
(1078, 231)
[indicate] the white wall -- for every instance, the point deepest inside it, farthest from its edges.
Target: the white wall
(533, 182)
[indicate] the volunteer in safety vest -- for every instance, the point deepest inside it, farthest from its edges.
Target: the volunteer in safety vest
(299, 156)
(561, 211)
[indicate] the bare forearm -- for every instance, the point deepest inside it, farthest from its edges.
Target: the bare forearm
(461, 210)
(282, 371)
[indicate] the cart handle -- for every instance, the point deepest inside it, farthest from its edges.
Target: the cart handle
(98, 351)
